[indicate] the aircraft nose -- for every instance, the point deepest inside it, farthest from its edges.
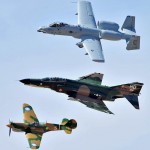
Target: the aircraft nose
(25, 81)
(31, 82)
(41, 29)
(9, 125)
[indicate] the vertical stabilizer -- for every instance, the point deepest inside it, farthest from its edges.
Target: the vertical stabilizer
(129, 24)
(128, 27)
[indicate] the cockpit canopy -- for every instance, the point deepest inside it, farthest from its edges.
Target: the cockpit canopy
(36, 124)
(58, 24)
(53, 79)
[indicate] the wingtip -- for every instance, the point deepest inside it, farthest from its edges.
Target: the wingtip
(137, 107)
(99, 61)
(111, 113)
(25, 105)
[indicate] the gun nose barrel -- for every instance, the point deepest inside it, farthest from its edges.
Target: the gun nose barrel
(39, 30)
(25, 81)
(42, 29)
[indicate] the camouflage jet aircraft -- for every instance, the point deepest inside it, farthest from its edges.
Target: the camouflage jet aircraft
(34, 129)
(91, 33)
(89, 91)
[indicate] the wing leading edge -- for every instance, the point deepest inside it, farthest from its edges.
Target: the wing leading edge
(85, 14)
(94, 48)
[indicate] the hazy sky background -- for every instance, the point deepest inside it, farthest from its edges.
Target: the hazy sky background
(25, 53)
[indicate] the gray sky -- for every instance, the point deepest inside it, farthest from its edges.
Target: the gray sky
(25, 53)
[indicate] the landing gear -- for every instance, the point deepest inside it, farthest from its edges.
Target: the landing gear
(80, 45)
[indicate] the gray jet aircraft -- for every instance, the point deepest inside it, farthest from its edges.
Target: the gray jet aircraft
(91, 33)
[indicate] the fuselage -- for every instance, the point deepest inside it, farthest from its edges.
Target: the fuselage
(74, 87)
(81, 32)
(37, 128)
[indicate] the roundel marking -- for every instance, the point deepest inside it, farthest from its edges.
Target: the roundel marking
(27, 109)
(33, 144)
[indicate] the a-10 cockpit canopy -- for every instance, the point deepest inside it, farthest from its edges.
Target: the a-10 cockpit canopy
(53, 79)
(58, 24)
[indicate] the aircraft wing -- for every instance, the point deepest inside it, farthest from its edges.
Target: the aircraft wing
(94, 48)
(29, 115)
(94, 78)
(100, 106)
(34, 140)
(85, 14)
(92, 103)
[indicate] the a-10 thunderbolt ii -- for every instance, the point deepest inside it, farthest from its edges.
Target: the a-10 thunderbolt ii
(34, 129)
(91, 33)
(89, 91)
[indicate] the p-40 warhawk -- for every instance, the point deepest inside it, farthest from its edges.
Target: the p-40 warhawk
(91, 33)
(89, 91)
(34, 129)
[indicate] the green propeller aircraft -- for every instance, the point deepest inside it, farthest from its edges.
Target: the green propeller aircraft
(35, 129)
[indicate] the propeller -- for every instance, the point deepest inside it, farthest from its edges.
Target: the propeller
(10, 126)
(9, 131)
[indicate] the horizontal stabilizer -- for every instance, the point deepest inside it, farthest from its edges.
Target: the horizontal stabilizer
(64, 121)
(133, 43)
(131, 92)
(133, 99)
(67, 125)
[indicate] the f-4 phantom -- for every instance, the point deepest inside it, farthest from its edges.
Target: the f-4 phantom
(91, 33)
(89, 91)
(35, 129)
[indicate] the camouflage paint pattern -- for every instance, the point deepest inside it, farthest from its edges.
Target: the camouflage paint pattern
(29, 115)
(89, 91)
(94, 78)
(34, 140)
(68, 125)
(34, 129)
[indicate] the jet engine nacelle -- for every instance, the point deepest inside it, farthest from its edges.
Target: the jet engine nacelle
(80, 45)
(106, 25)
(110, 35)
